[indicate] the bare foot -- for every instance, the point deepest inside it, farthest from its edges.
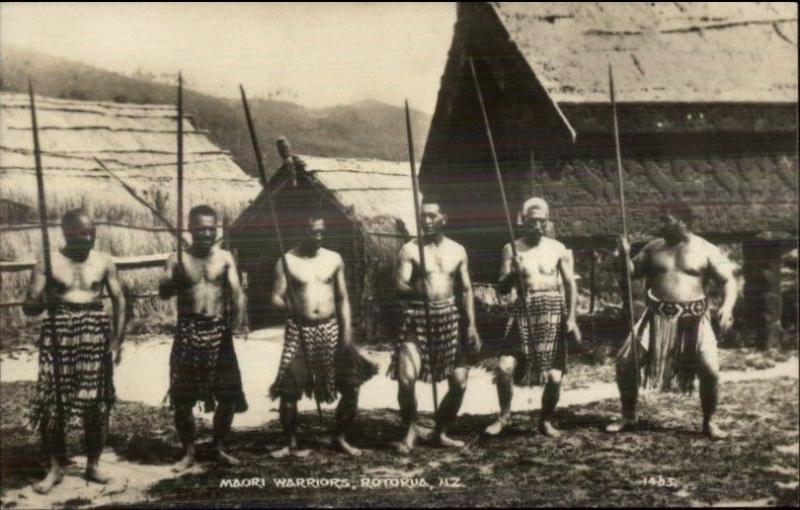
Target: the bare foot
(547, 429)
(283, 452)
(93, 474)
(224, 458)
(626, 425)
(342, 445)
(713, 432)
(443, 439)
(402, 447)
(300, 453)
(183, 464)
(53, 478)
(497, 427)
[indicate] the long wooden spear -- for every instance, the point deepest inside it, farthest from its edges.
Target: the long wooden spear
(48, 266)
(620, 182)
(421, 245)
(520, 279)
(180, 169)
(290, 292)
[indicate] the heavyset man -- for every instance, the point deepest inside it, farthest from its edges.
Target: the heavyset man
(534, 348)
(75, 351)
(203, 364)
(675, 333)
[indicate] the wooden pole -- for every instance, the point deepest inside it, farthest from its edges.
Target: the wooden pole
(290, 292)
(421, 245)
(621, 184)
(180, 169)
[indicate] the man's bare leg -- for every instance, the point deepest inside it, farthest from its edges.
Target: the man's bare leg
(504, 380)
(448, 409)
(184, 424)
(709, 393)
(53, 443)
(628, 394)
(94, 437)
(550, 396)
(345, 414)
(407, 363)
(223, 419)
(288, 417)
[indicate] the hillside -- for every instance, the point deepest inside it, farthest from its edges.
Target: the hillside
(367, 129)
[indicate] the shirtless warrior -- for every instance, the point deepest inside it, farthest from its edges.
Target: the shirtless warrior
(534, 347)
(75, 371)
(675, 333)
(203, 364)
(436, 351)
(318, 357)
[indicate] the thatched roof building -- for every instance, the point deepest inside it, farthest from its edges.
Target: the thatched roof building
(369, 213)
(707, 104)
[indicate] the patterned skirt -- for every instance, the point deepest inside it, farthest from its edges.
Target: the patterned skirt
(672, 335)
(75, 371)
(203, 365)
(536, 335)
(315, 363)
(440, 353)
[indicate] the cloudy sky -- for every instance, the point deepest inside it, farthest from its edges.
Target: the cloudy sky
(314, 54)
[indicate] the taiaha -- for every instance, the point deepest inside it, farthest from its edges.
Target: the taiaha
(520, 279)
(48, 266)
(180, 170)
(263, 175)
(421, 246)
(629, 287)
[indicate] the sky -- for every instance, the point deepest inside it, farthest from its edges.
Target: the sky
(316, 55)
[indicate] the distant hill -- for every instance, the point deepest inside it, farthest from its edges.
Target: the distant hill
(368, 129)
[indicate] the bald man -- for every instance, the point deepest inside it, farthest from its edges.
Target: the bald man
(534, 348)
(75, 372)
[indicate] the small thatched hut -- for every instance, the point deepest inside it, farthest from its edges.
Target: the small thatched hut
(369, 213)
(138, 143)
(707, 102)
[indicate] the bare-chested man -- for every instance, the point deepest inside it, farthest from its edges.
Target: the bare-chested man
(319, 357)
(675, 332)
(433, 352)
(203, 364)
(75, 367)
(534, 348)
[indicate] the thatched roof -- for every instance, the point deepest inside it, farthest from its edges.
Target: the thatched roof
(138, 142)
(660, 51)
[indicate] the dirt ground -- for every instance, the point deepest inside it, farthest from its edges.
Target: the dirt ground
(666, 463)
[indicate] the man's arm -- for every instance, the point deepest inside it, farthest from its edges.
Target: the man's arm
(721, 269)
(118, 304)
(343, 303)
(469, 300)
(508, 270)
(167, 287)
(405, 270)
(34, 303)
(566, 268)
(237, 294)
(278, 299)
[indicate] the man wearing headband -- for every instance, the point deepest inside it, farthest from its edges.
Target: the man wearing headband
(534, 346)
(675, 333)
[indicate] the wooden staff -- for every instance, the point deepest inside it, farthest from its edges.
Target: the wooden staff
(629, 285)
(423, 267)
(520, 279)
(290, 292)
(48, 266)
(180, 169)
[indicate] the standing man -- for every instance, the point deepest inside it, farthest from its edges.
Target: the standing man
(75, 371)
(675, 333)
(433, 352)
(320, 360)
(534, 348)
(203, 364)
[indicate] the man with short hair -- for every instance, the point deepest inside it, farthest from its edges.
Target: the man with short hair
(75, 350)
(675, 334)
(318, 357)
(203, 364)
(433, 352)
(534, 349)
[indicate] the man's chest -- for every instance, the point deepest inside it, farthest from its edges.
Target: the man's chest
(87, 275)
(210, 270)
(540, 261)
(440, 260)
(682, 259)
(318, 270)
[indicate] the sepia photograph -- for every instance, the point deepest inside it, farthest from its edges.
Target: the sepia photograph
(438, 254)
